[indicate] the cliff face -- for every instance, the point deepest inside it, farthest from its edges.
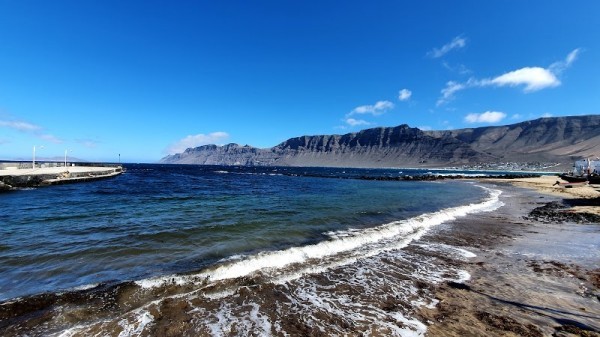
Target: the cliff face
(544, 139)
(560, 139)
(228, 155)
(378, 147)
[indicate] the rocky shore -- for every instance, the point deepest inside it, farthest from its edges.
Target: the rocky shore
(434, 177)
(537, 269)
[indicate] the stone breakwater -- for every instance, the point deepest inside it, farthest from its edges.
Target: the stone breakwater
(23, 178)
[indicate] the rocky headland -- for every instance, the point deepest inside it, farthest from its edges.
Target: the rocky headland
(549, 140)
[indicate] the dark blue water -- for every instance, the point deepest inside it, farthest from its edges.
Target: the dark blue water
(162, 219)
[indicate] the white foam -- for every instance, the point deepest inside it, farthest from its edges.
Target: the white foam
(467, 254)
(309, 299)
(352, 240)
(413, 327)
(450, 249)
(219, 294)
(86, 286)
(160, 281)
(397, 234)
(226, 319)
(143, 318)
(463, 276)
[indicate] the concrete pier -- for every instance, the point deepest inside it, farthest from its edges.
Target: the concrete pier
(14, 177)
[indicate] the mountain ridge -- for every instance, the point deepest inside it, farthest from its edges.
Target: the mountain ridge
(550, 139)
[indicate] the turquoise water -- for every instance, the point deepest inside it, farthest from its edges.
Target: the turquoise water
(160, 219)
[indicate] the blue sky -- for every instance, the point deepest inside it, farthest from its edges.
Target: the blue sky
(147, 78)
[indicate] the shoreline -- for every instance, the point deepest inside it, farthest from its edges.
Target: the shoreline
(498, 273)
(530, 277)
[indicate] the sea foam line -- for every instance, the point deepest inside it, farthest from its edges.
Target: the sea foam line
(351, 240)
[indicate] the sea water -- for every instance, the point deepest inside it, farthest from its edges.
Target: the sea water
(328, 244)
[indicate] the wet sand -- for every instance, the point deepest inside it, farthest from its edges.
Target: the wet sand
(530, 277)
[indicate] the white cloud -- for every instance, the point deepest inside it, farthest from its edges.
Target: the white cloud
(485, 117)
(456, 43)
(356, 122)
(20, 126)
(197, 140)
(533, 78)
(377, 109)
(547, 115)
(404, 94)
(516, 116)
(448, 92)
(424, 128)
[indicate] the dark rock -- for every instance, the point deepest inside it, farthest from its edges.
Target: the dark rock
(558, 212)
(457, 285)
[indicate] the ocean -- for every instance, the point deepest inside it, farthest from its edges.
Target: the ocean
(228, 251)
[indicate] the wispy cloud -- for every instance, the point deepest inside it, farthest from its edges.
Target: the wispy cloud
(449, 91)
(461, 68)
(192, 141)
(30, 128)
(404, 95)
(530, 78)
(376, 109)
(547, 115)
(379, 108)
(560, 66)
(485, 117)
(456, 43)
(20, 126)
(356, 122)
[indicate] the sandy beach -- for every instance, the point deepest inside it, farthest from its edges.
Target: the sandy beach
(531, 276)
(547, 185)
